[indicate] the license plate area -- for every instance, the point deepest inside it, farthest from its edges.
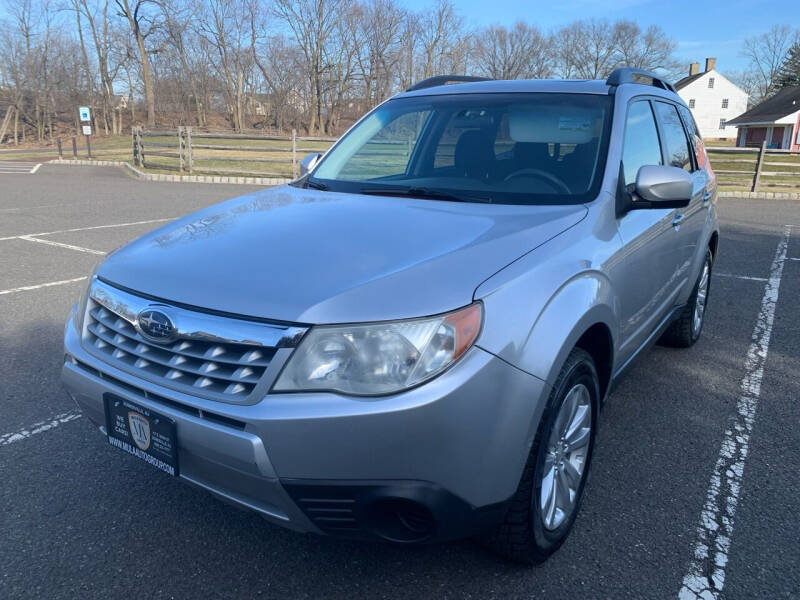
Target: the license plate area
(143, 433)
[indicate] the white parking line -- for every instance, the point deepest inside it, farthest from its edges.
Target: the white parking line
(40, 427)
(16, 237)
(745, 277)
(27, 167)
(30, 207)
(29, 238)
(27, 288)
(706, 575)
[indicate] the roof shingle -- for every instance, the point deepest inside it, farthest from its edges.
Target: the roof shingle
(785, 102)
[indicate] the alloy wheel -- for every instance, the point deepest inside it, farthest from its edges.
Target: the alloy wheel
(702, 296)
(565, 461)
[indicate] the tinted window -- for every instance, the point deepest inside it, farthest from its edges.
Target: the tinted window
(641, 141)
(676, 145)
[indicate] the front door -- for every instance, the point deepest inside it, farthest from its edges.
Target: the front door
(653, 256)
(689, 221)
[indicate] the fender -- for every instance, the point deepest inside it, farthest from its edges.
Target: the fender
(541, 347)
(584, 301)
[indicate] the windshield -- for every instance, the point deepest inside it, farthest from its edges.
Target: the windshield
(531, 148)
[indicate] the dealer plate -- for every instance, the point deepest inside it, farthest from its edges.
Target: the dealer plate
(147, 435)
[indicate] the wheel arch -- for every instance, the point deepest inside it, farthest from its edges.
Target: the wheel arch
(583, 313)
(599, 343)
(713, 244)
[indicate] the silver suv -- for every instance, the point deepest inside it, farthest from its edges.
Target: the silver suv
(412, 341)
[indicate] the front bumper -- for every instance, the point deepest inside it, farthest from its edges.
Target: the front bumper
(444, 456)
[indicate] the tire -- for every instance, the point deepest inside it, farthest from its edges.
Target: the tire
(684, 331)
(524, 536)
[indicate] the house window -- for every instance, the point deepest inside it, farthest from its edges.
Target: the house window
(711, 83)
(724, 103)
(722, 123)
(691, 103)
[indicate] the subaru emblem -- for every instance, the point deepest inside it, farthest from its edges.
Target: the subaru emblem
(154, 325)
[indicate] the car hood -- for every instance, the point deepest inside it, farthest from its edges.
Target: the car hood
(307, 256)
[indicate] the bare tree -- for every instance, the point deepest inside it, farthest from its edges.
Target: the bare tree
(650, 49)
(312, 23)
(443, 40)
(104, 38)
(225, 27)
(587, 49)
(748, 81)
(766, 53)
(519, 52)
(142, 17)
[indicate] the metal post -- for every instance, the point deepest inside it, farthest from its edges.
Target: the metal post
(134, 147)
(759, 164)
(60, 154)
(189, 147)
(180, 148)
(74, 147)
(140, 145)
(294, 154)
(89, 146)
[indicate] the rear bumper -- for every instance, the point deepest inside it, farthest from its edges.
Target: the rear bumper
(445, 456)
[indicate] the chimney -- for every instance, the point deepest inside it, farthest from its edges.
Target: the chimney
(710, 64)
(694, 69)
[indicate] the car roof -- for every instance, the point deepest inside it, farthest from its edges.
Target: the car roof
(564, 86)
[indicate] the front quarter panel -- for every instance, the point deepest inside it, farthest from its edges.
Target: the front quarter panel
(538, 308)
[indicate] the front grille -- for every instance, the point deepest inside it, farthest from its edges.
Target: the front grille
(219, 368)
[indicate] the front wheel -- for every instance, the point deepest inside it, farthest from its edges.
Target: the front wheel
(547, 500)
(685, 330)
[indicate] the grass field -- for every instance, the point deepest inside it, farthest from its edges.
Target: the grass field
(274, 159)
(787, 165)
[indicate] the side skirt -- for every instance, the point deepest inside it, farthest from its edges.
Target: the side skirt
(650, 341)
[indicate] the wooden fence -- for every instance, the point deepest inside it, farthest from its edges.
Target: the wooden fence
(189, 151)
(768, 167)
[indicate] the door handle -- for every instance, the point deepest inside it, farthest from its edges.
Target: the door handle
(677, 220)
(706, 198)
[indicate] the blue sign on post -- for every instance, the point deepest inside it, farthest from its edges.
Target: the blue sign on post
(85, 114)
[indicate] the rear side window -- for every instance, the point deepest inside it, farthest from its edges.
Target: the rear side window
(695, 139)
(688, 121)
(676, 146)
(641, 145)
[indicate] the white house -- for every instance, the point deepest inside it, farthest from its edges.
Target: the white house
(713, 100)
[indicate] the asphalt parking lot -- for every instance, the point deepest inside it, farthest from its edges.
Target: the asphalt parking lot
(695, 474)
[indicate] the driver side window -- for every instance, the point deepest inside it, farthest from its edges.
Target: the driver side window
(640, 146)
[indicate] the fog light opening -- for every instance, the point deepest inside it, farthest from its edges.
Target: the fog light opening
(401, 520)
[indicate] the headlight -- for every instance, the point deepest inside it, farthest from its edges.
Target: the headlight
(379, 358)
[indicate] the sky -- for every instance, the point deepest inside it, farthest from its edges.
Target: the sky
(702, 28)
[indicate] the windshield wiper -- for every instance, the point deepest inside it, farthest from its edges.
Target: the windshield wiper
(421, 192)
(315, 185)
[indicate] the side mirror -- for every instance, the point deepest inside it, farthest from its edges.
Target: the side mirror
(659, 186)
(308, 162)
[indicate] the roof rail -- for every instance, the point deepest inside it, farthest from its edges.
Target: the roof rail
(444, 79)
(633, 75)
